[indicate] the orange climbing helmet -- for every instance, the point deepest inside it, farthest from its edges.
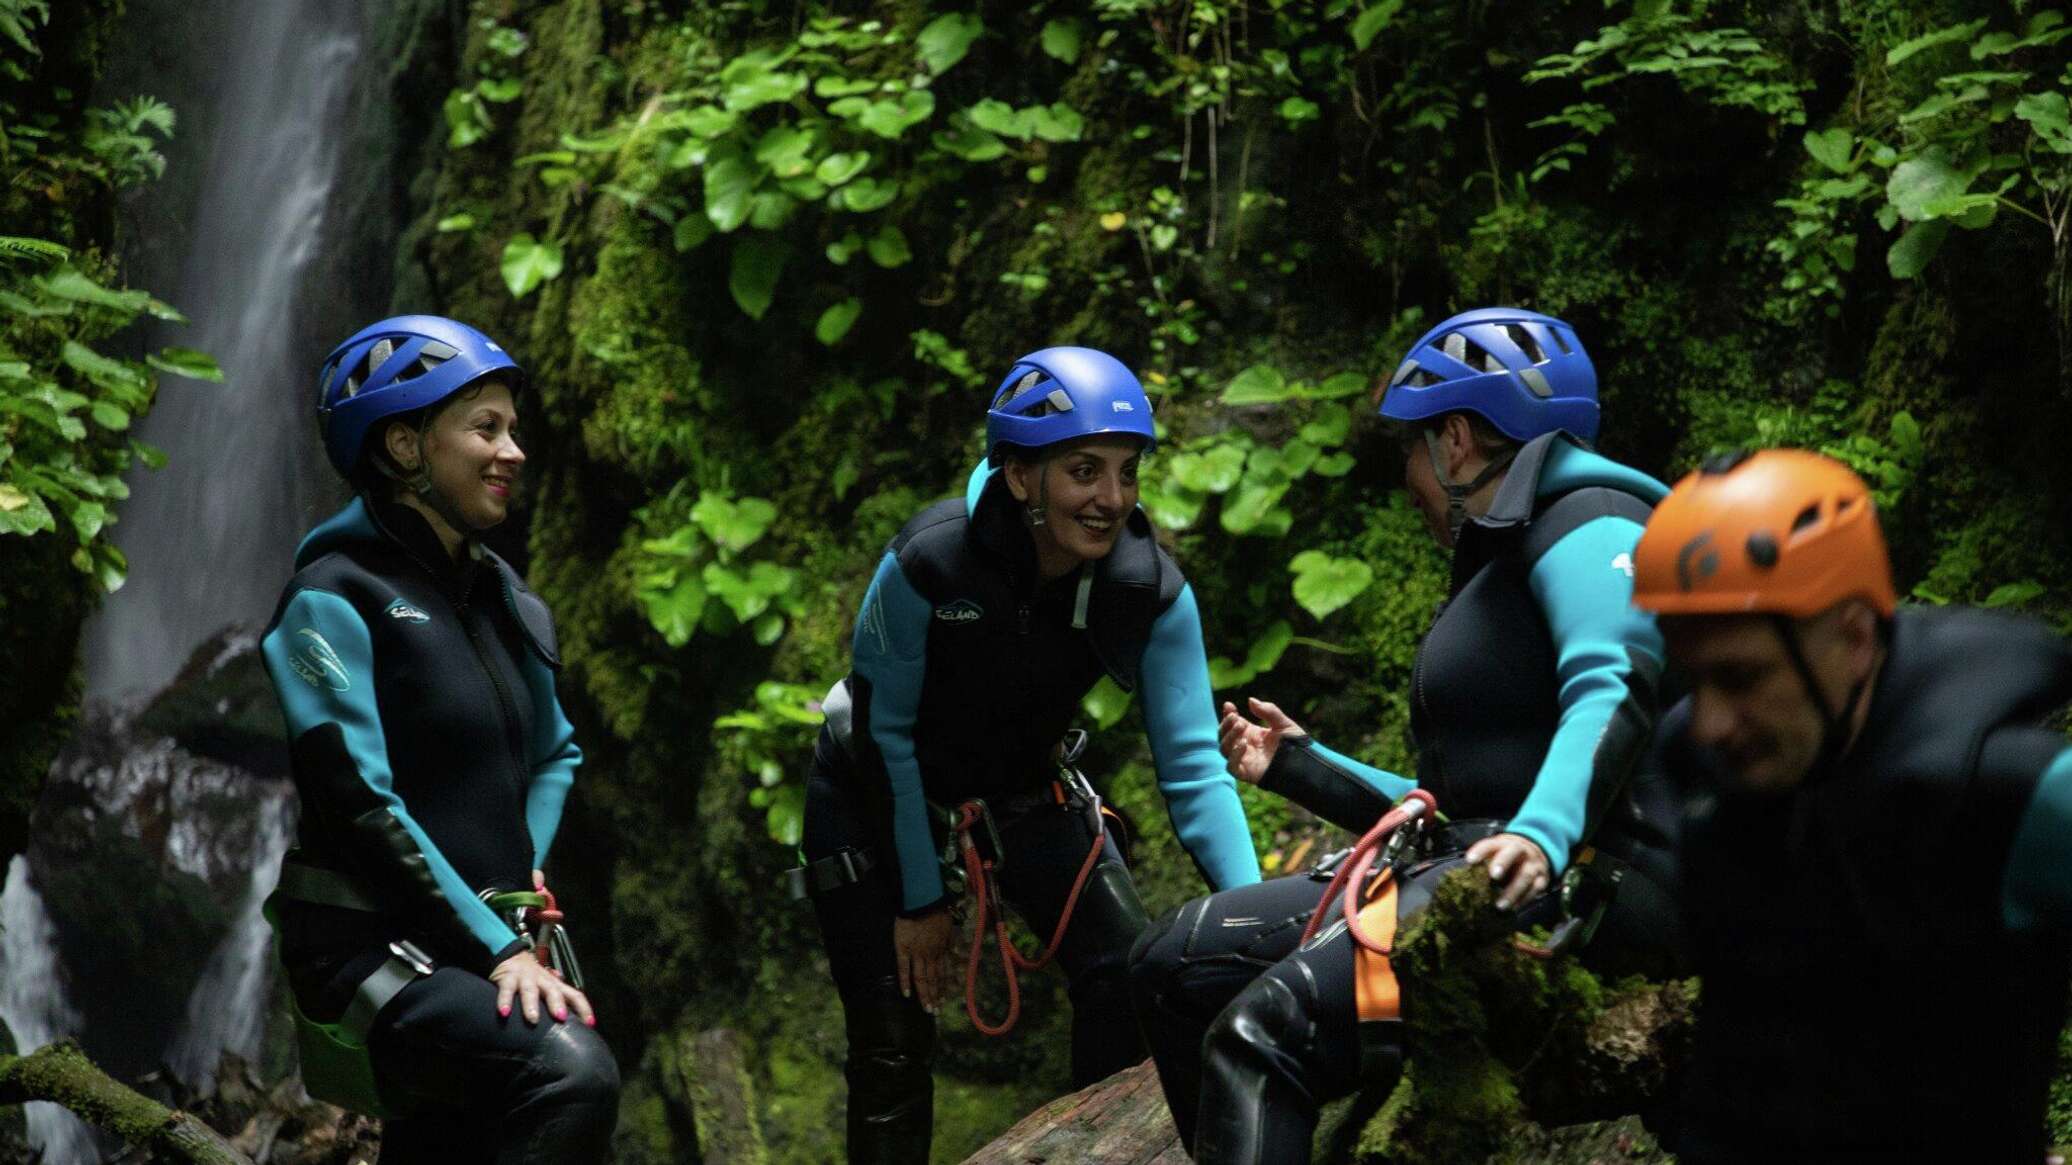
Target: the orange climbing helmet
(1781, 531)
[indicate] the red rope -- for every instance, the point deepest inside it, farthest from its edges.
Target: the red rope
(976, 875)
(1352, 872)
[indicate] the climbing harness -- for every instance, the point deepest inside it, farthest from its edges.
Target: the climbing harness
(536, 918)
(1381, 843)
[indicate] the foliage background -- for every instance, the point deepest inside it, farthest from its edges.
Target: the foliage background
(763, 261)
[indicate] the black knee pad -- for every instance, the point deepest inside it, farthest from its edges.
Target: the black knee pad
(1265, 1023)
(576, 1063)
(888, 1032)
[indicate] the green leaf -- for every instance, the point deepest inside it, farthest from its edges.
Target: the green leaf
(1061, 40)
(734, 524)
(710, 121)
(1266, 651)
(888, 248)
(151, 455)
(23, 513)
(529, 262)
(691, 230)
(843, 249)
(729, 191)
(786, 151)
(1833, 148)
(1057, 123)
(1910, 255)
(768, 629)
(187, 362)
(117, 376)
(944, 40)
(1917, 182)
(836, 169)
(757, 262)
(751, 80)
(70, 284)
(1323, 583)
(890, 119)
(2050, 116)
(1339, 385)
(1251, 509)
(1941, 36)
(1333, 465)
(1371, 20)
(832, 86)
(110, 416)
(1105, 703)
(106, 564)
(2013, 594)
(502, 91)
(1331, 426)
(463, 221)
(676, 609)
(996, 116)
(867, 194)
(969, 142)
(467, 119)
(1296, 110)
(87, 519)
(1260, 384)
(836, 321)
(770, 209)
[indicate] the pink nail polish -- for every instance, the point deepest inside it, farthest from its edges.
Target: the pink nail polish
(504, 1011)
(560, 1015)
(589, 1021)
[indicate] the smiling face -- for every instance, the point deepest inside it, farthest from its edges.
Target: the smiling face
(471, 453)
(1086, 491)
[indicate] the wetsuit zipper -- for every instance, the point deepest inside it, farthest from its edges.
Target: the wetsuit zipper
(504, 707)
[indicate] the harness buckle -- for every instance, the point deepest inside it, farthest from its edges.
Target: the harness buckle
(412, 955)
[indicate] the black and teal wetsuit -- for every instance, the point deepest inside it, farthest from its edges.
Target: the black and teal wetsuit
(1884, 948)
(432, 761)
(967, 671)
(1532, 702)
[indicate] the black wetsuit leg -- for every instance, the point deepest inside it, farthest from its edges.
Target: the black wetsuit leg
(490, 1089)
(1195, 960)
(1046, 848)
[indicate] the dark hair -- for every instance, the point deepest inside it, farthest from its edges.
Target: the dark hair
(1490, 441)
(377, 470)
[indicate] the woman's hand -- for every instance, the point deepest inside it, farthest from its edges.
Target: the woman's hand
(1248, 748)
(530, 981)
(921, 947)
(1517, 863)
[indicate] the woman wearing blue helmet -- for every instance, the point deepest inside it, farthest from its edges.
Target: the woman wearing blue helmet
(416, 674)
(1532, 697)
(990, 617)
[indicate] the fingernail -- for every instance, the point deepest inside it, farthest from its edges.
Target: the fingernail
(561, 1015)
(504, 1011)
(589, 1021)
(1496, 871)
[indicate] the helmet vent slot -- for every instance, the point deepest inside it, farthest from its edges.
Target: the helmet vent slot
(1536, 381)
(1561, 341)
(1807, 517)
(1530, 346)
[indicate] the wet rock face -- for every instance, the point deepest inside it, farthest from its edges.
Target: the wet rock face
(145, 852)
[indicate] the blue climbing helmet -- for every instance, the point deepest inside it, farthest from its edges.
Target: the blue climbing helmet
(397, 366)
(1058, 394)
(1523, 372)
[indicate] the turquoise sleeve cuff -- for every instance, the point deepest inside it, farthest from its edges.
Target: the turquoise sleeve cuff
(1180, 718)
(2036, 890)
(1382, 781)
(890, 652)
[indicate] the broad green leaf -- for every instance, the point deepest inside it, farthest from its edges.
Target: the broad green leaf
(843, 249)
(969, 142)
(1222, 467)
(1296, 458)
(456, 222)
(768, 629)
(151, 455)
(890, 119)
(1338, 385)
(836, 169)
(105, 563)
(1371, 20)
(69, 283)
(757, 262)
(1333, 465)
(467, 119)
(1941, 36)
(1260, 384)
(1225, 674)
(87, 519)
(888, 248)
(734, 524)
(599, 143)
(770, 209)
(2013, 594)
(1106, 703)
(1323, 583)
(1910, 255)
(1833, 148)
(1056, 122)
(1250, 510)
(117, 376)
(1061, 40)
(1330, 427)
(751, 80)
(1296, 110)
(836, 321)
(996, 116)
(691, 230)
(1266, 651)
(675, 610)
(729, 191)
(786, 151)
(187, 362)
(23, 513)
(710, 121)
(867, 194)
(1172, 506)
(507, 42)
(529, 262)
(500, 91)
(831, 86)
(944, 40)
(2050, 116)
(1917, 182)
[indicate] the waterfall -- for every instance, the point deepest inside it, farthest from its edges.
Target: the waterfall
(246, 236)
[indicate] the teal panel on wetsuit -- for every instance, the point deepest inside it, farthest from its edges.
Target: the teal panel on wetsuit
(554, 759)
(1180, 718)
(1584, 585)
(1382, 781)
(2036, 891)
(890, 651)
(321, 659)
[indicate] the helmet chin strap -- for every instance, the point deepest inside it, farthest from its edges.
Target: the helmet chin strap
(1040, 512)
(1457, 494)
(418, 480)
(1834, 724)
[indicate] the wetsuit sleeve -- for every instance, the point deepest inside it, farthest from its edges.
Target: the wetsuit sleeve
(890, 653)
(1607, 654)
(1180, 717)
(321, 659)
(555, 758)
(1337, 788)
(2036, 890)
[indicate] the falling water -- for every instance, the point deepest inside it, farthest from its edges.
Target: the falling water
(246, 241)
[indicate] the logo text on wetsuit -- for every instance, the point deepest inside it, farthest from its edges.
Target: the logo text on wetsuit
(961, 611)
(318, 663)
(407, 613)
